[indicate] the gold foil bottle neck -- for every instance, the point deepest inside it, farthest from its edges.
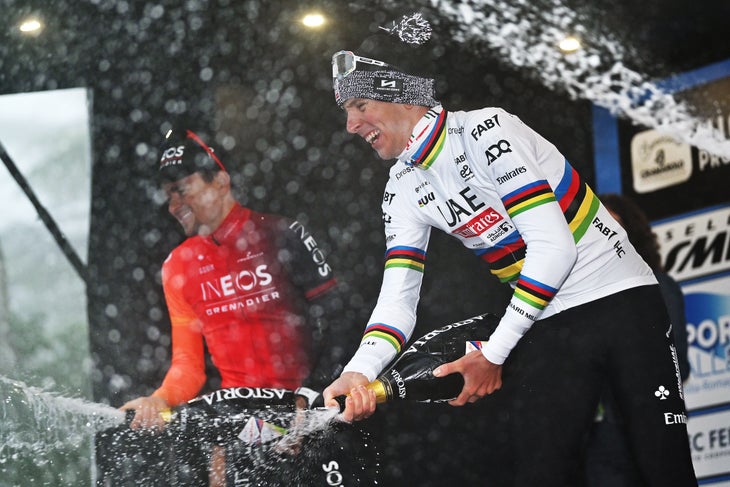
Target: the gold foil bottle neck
(167, 415)
(381, 390)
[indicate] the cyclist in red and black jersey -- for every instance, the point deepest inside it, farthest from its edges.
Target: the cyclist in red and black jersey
(256, 288)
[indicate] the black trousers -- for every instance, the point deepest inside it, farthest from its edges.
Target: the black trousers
(553, 379)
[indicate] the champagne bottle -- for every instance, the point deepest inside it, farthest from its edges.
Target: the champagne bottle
(227, 402)
(410, 375)
(258, 413)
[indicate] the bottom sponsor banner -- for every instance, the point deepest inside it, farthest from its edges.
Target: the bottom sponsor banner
(709, 437)
(707, 306)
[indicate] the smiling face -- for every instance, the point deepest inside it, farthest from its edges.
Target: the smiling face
(385, 126)
(198, 205)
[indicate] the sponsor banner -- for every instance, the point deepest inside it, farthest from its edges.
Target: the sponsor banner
(707, 306)
(709, 438)
(696, 245)
(658, 161)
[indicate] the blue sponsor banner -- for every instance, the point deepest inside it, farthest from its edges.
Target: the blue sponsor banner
(708, 317)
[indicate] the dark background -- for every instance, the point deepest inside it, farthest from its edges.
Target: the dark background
(258, 85)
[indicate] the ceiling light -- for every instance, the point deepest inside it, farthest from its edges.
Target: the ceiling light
(313, 20)
(570, 44)
(30, 26)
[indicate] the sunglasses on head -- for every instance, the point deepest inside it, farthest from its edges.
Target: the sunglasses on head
(345, 62)
(182, 134)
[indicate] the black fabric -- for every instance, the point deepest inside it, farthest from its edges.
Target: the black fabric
(609, 461)
(674, 299)
(333, 339)
(621, 341)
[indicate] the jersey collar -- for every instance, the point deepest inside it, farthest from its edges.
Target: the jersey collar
(427, 139)
(230, 229)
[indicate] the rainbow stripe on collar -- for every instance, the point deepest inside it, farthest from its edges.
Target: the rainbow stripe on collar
(433, 141)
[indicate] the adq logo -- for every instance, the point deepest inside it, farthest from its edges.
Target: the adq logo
(495, 151)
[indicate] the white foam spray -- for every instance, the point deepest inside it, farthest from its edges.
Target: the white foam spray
(526, 35)
(307, 422)
(36, 421)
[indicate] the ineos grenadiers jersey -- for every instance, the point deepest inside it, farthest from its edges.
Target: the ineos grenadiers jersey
(512, 198)
(244, 289)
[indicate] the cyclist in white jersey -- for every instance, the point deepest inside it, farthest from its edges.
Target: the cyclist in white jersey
(586, 309)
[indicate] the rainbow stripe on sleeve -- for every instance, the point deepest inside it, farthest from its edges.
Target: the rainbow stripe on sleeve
(388, 333)
(578, 202)
(408, 257)
(506, 258)
(527, 197)
(533, 292)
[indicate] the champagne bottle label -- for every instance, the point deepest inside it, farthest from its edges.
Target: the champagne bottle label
(411, 375)
(257, 431)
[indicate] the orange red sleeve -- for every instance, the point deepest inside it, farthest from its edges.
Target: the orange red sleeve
(186, 374)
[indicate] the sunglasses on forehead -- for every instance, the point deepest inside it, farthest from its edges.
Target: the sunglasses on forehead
(345, 62)
(181, 134)
(176, 140)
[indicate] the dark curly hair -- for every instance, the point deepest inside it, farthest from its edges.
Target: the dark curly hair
(636, 224)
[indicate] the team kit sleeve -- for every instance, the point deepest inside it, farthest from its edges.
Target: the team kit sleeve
(305, 261)
(186, 374)
(393, 319)
(509, 147)
(331, 337)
